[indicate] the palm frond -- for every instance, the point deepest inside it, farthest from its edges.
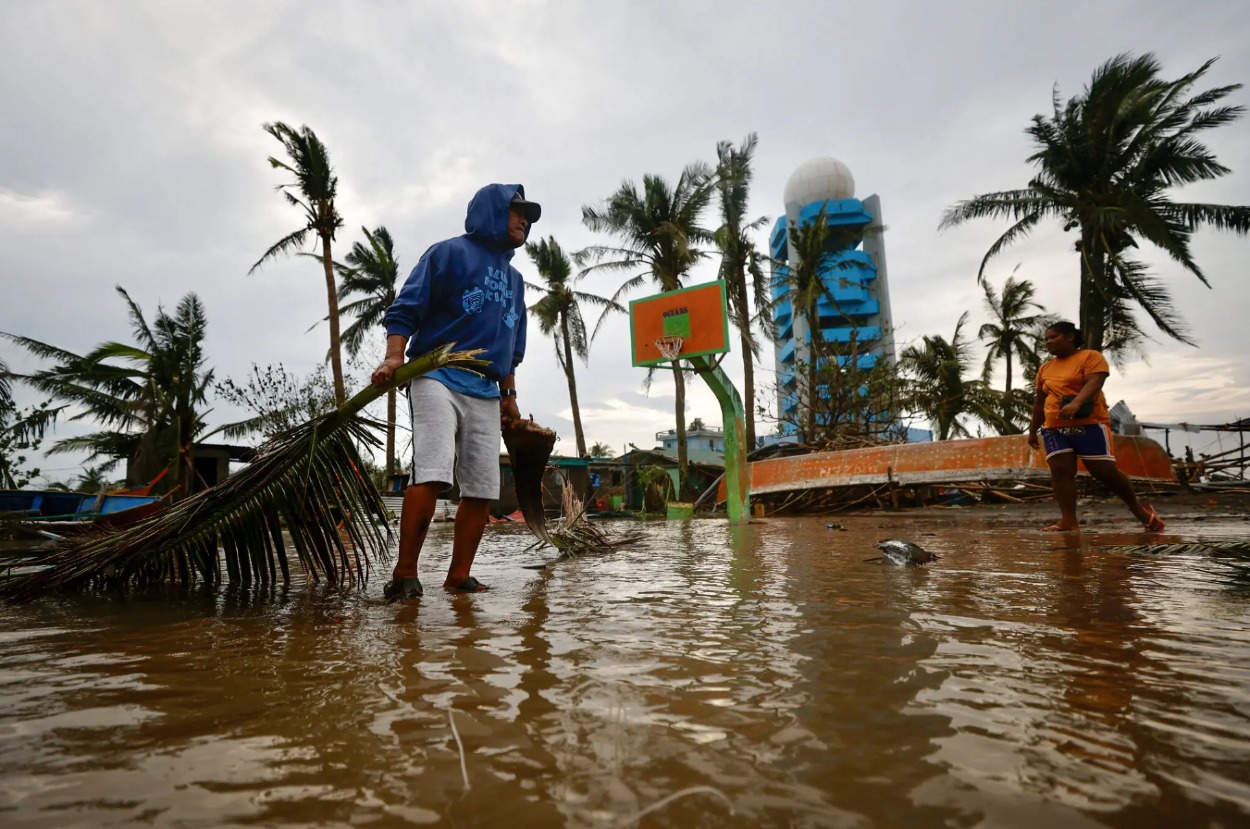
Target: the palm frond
(309, 480)
(1233, 549)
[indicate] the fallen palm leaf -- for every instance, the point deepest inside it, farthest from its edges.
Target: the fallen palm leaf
(1232, 549)
(529, 448)
(308, 480)
(576, 535)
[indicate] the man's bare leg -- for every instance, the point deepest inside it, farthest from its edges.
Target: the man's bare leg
(471, 517)
(1063, 483)
(420, 501)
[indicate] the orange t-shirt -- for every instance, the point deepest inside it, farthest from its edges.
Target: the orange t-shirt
(1065, 377)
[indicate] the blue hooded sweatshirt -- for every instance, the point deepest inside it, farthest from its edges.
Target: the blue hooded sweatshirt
(465, 290)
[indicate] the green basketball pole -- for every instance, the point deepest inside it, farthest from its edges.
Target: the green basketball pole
(737, 474)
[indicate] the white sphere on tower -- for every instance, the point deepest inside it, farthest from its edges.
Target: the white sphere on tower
(819, 179)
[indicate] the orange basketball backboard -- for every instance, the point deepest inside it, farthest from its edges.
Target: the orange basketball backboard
(696, 315)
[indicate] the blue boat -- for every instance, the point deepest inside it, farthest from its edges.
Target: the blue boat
(68, 511)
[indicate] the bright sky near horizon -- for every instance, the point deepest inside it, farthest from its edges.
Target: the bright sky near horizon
(132, 154)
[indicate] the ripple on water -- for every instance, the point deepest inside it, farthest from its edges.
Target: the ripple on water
(1010, 683)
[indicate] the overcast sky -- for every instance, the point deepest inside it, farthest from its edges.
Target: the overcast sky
(131, 153)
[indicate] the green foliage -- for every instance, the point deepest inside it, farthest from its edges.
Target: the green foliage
(369, 279)
(278, 400)
(1106, 161)
(852, 405)
(601, 450)
(938, 388)
(657, 487)
(21, 434)
(1012, 331)
(147, 398)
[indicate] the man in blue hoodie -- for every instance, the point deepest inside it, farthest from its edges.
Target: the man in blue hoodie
(464, 290)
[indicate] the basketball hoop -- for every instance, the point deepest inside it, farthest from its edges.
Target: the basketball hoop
(669, 346)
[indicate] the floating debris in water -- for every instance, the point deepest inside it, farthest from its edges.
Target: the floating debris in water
(902, 553)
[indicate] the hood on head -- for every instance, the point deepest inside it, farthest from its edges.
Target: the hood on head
(487, 216)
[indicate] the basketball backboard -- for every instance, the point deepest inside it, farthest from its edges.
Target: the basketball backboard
(689, 322)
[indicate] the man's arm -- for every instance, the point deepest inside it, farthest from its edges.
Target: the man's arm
(395, 344)
(509, 411)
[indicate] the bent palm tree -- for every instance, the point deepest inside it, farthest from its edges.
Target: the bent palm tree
(658, 228)
(741, 266)
(1106, 162)
(559, 316)
(308, 481)
(147, 398)
(370, 272)
(1009, 333)
(317, 187)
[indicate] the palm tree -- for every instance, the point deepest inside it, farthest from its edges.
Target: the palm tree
(600, 450)
(147, 398)
(740, 259)
(1009, 333)
(313, 191)
(1106, 161)
(658, 228)
(559, 316)
(940, 389)
(371, 273)
(814, 249)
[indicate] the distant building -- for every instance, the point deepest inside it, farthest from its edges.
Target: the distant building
(855, 277)
(704, 444)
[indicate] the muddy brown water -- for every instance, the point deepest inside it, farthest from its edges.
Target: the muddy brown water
(1012, 683)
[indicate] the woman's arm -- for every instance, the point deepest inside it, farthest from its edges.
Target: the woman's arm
(1039, 414)
(1093, 385)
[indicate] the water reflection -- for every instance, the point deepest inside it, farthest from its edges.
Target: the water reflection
(1009, 684)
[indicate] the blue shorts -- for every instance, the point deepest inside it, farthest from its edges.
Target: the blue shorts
(1092, 442)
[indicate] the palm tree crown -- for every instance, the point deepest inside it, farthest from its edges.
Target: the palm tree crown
(1009, 334)
(313, 191)
(370, 273)
(659, 231)
(559, 315)
(1106, 161)
(148, 397)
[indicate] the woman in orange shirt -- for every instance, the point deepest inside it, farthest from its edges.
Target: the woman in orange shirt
(1070, 407)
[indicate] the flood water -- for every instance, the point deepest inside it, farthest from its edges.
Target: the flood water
(1011, 683)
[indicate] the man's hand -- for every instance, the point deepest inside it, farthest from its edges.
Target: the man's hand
(509, 412)
(383, 373)
(1033, 441)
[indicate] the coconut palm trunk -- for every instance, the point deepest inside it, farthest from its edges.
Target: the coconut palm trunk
(578, 434)
(1093, 312)
(747, 345)
(332, 300)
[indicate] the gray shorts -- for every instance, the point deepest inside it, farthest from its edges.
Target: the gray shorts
(455, 438)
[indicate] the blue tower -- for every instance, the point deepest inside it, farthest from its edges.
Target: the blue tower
(855, 276)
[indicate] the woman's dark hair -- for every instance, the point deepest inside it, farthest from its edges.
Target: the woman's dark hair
(1067, 329)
